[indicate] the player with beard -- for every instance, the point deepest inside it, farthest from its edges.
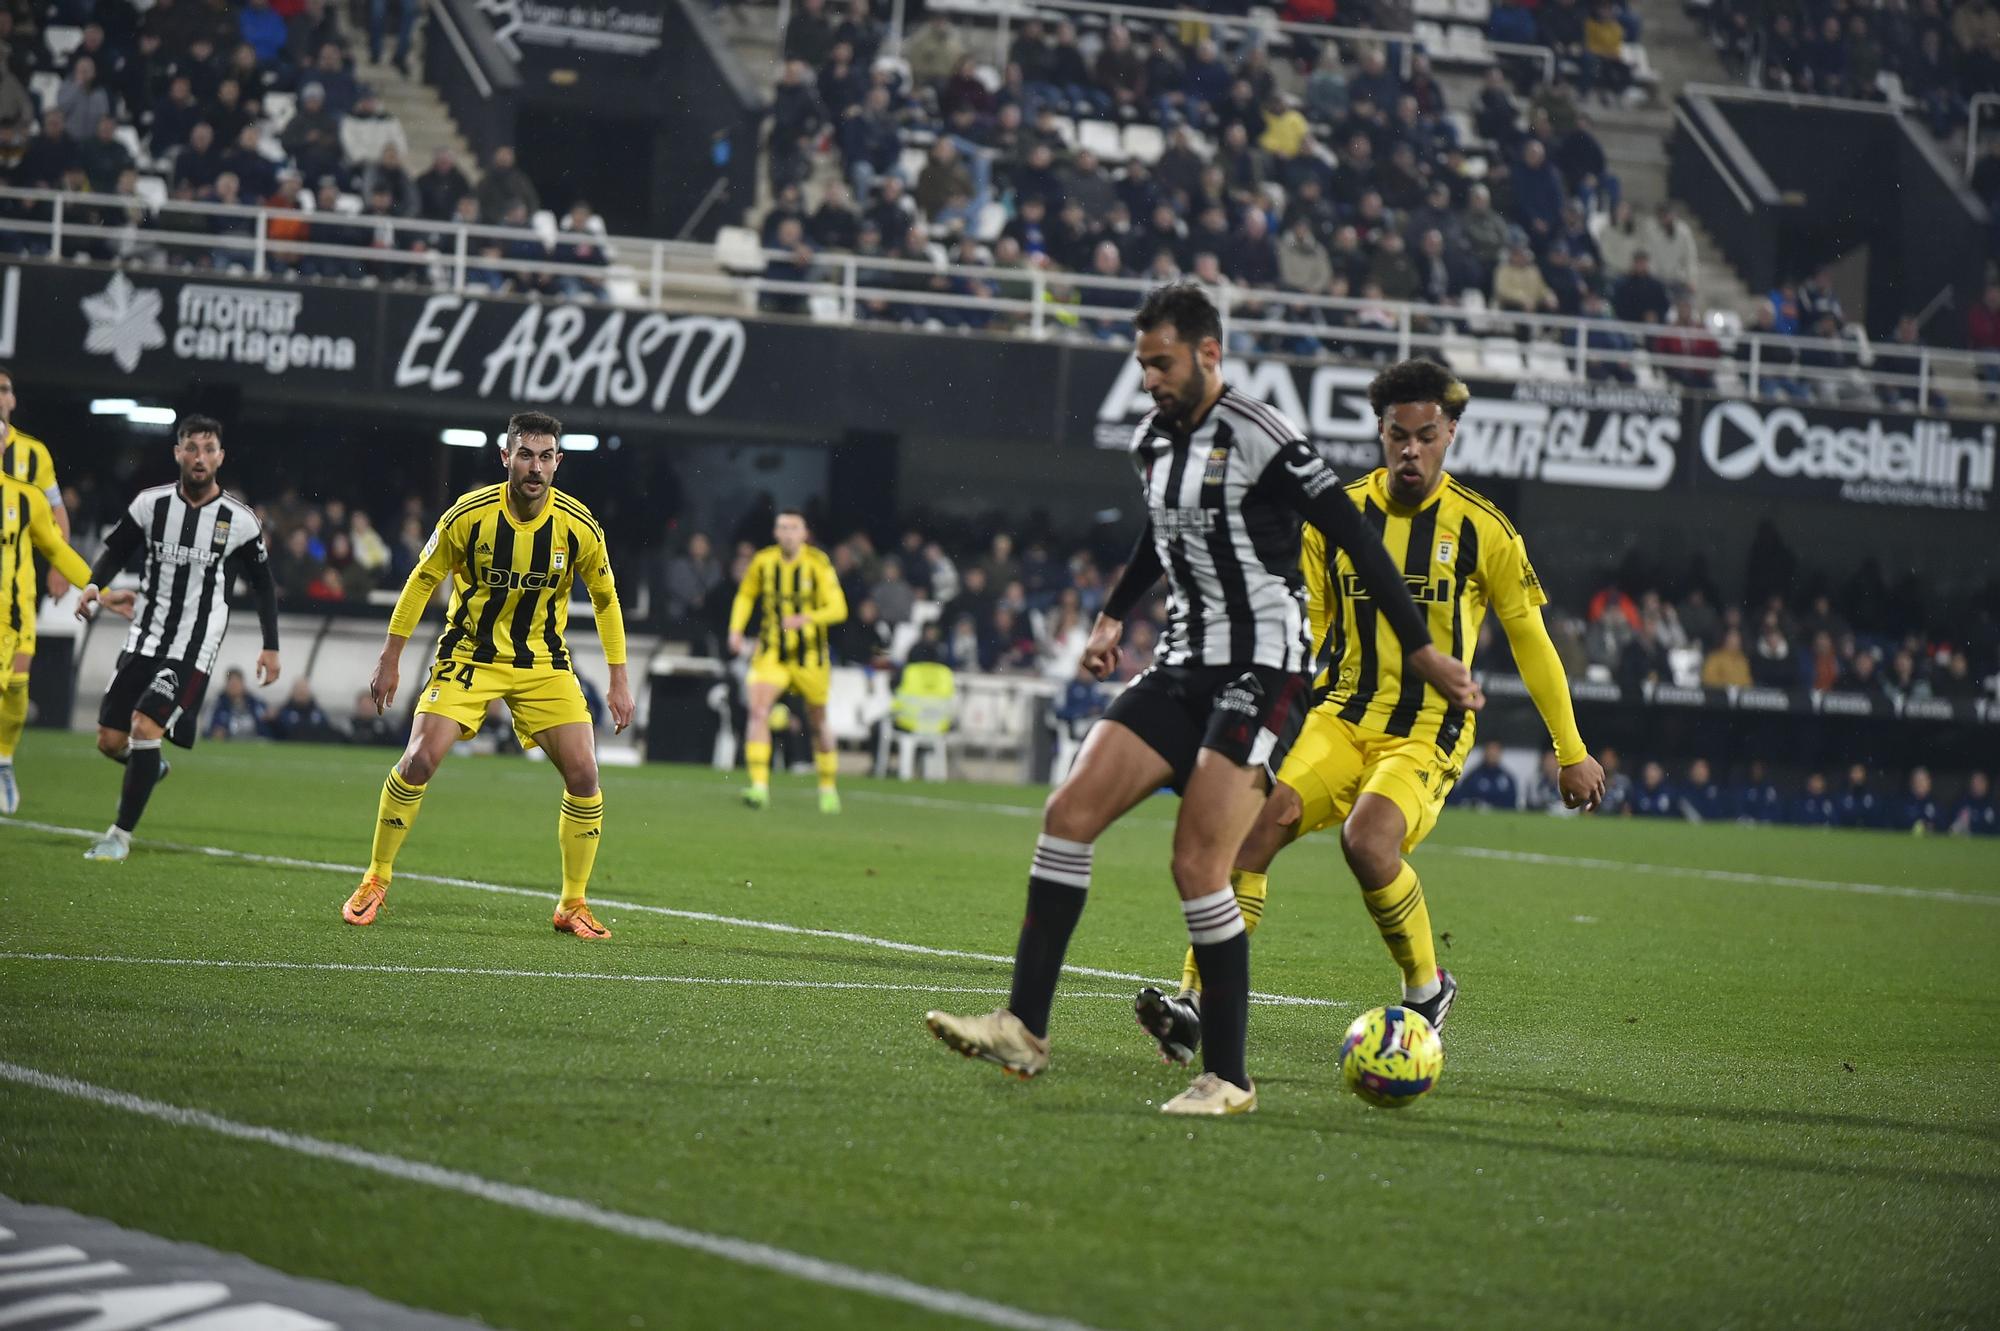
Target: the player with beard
(198, 540)
(513, 552)
(1382, 746)
(1226, 481)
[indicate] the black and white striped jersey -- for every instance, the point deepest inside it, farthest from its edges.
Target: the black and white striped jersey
(192, 554)
(1225, 521)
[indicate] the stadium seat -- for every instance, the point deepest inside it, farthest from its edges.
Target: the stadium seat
(153, 189)
(825, 309)
(912, 162)
(991, 222)
(44, 85)
(1460, 352)
(1467, 46)
(989, 77)
(1550, 363)
(739, 250)
(1065, 129)
(1502, 356)
(543, 223)
(1145, 143)
(62, 39)
(1433, 9)
(1472, 11)
(279, 108)
(623, 290)
(349, 205)
(1891, 87)
(1101, 137)
(1429, 34)
(129, 136)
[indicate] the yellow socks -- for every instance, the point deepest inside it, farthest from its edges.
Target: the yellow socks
(828, 765)
(397, 815)
(757, 757)
(1405, 923)
(13, 715)
(1250, 889)
(578, 828)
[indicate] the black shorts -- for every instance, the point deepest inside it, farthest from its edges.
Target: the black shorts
(168, 693)
(1244, 713)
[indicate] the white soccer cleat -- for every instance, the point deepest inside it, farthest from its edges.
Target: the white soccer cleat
(998, 1037)
(10, 789)
(109, 847)
(1211, 1095)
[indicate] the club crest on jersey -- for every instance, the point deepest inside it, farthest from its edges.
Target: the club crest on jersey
(559, 556)
(1218, 464)
(1447, 546)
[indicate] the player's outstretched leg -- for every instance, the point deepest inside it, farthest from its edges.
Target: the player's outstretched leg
(1372, 840)
(144, 765)
(1115, 770)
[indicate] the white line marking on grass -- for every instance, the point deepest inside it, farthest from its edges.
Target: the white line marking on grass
(1725, 875)
(1554, 861)
(744, 1252)
(702, 916)
(494, 972)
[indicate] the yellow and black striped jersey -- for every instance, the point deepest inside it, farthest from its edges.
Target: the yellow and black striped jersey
(27, 523)
(26, 459)
(511, 581)
(777, 589)
(1460, 557)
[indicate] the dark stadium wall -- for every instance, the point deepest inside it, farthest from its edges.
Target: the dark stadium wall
(711, 114)
(1850, 178)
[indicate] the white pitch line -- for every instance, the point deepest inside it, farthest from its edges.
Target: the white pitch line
(744, 1252)
(502, 973)
(1532, 857)
(702, 916)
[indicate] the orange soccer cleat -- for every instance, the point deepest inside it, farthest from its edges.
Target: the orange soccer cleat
(367, 899)
(580, 922)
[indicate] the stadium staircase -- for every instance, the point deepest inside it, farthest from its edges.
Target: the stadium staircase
(426, 123)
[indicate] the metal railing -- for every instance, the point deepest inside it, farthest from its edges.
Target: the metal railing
(1033, 301)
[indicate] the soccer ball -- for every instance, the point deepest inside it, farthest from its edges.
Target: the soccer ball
(1391, 1057)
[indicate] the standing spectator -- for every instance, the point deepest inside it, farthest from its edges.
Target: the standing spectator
(797, 117)
(82, 102)
(262, 29)
(892, 595)
(504, 186)
(809, 35)
(1669, 242)
(1538, 194)
(378, 23)
(932, 53)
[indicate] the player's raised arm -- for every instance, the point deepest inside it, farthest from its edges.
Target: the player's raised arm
(1142, 570)
(1516, 595)
(1315, 492)
(745, 602)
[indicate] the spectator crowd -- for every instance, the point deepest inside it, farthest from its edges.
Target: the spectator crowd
(257, 103)
(1752, 796)
(1317, 169)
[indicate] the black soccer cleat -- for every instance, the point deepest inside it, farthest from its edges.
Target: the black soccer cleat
(1438, 1006)
(1174, 1022)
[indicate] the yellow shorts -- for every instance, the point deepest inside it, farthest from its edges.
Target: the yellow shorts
(810, 682)
(1334, 762)
(540, 697)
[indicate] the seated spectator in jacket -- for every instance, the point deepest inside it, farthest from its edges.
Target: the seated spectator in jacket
(302, 718)
(1858, 805)
(1814, 807)
(1640, 297)
(1489, 785)
(441, 186)
(1655, 798)
(1726, 666)
(238, 713)
(1976, 814)
(1518, 285)
(256, 174)
(1687, 342)
(1702, 799)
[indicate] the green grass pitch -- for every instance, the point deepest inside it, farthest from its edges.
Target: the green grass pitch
(1672, 1097)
